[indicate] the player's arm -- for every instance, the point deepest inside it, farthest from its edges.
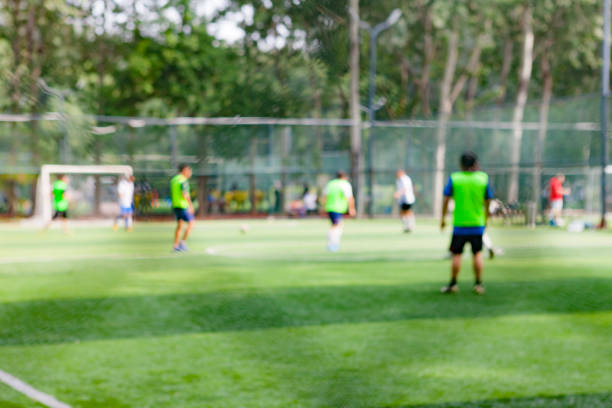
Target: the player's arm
(487, 206)
(351, 203)
(187, 198)
(444, 211)
(448, 193)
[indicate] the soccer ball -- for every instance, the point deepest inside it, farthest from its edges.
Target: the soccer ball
(244, 228)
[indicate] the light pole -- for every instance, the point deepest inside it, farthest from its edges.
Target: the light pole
(605, 94)
(374, 33)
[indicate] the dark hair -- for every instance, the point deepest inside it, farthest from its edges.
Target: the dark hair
(183, 166)
(340, 174)
(468, 160)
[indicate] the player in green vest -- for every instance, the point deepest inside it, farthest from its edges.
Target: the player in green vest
(338, 201)
(182, 206)
(470, 190)
(60, 201)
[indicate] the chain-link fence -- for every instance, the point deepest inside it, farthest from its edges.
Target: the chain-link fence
(249, 165)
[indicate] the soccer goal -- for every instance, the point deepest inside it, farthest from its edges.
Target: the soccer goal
(82, 189)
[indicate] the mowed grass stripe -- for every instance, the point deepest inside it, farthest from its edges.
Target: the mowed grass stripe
(286, 324)
(355, 365)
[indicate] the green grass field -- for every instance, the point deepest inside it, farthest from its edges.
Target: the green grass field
(104, 319)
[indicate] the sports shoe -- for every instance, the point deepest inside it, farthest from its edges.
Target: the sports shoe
(479, 289)
(177, 249)
(450, 289)
(491, 253)
(182, 246)
(115, 227)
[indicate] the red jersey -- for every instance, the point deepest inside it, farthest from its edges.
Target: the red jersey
(556, 189)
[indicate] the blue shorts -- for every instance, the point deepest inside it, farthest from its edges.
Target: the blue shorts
(335, 217)
(183, 214)
(126, 211)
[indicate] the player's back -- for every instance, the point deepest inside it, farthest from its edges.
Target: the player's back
(469, 191)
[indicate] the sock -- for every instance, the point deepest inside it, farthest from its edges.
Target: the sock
(453, 282)
(127, 222)
(405, 222)
(477, 282)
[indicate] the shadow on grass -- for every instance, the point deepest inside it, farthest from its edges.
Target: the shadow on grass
(603, 400)
(69, 320)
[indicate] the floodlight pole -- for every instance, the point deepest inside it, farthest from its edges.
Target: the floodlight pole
(374, 33)
(605, 93)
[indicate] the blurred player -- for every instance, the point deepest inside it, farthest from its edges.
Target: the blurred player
(405, 198)
(125, 191)
(556, 193)
(471, 193)
(60, 202)
(337, 200)
(182, 206)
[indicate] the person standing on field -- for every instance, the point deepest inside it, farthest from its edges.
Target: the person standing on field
(338, 200)
(470, 190)
(556, 194)
(125, 191)
(60, 202)
(182, 207)
(404, 195)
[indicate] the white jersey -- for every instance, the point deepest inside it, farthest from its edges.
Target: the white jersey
(404, 187)
(125, 189)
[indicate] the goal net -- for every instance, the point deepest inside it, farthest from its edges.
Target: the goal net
(91, 192)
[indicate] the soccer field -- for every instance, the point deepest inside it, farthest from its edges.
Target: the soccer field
(103, 319)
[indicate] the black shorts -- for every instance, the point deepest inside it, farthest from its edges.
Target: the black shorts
(459, 241)
(405, 207)
(63, 214)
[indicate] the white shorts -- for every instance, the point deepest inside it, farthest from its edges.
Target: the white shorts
(556, 205)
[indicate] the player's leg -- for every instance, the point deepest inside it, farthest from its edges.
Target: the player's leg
(130, 221)
(410, 219)
(335, 231)
(488, 245)
(456, 248)
(64, 216)
(177, 234)
(188, 229)
(477, 244)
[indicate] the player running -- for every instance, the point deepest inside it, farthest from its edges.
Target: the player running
(125, 191)
(182, 206)
(405, 198)
(470, 190)
(337, 200)
(60, 202)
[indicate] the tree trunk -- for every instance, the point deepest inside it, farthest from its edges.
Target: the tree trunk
(355, 159)
(502, 91)
(252, 184)
(445, 112)
(547, 85)
(521, 101)
(428, 54)
(285, 147)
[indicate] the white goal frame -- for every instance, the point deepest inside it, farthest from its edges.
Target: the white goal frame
(43, 210)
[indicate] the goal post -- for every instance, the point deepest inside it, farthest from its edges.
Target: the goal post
(43, 210)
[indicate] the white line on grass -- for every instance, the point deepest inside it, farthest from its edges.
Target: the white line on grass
(31, 392)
